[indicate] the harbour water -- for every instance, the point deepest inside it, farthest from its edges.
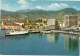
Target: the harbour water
(39, 44)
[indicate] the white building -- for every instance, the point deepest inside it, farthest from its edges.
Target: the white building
(62, 24)
(52, 24)
(19, 23)
(71, 20)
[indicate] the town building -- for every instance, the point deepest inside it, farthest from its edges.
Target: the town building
(71, 20)
(19, 23)
(78, 23)
(52, 24)
(61, 24)
(10, 26)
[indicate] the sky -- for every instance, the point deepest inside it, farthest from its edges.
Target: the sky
(14, 5)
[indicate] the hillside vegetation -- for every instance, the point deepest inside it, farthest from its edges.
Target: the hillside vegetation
(38, 14)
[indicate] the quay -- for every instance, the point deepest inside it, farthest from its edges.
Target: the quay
(71, 32)
(34, 31)
(65, 32)
(52, 31)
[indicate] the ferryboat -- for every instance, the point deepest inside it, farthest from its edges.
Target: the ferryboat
(16, 32)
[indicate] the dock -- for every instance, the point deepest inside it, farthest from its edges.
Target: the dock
(65, 32)
(34, 31)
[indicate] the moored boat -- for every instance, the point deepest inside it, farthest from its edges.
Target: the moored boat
(16, 32)
(47, 31)
(33, 31)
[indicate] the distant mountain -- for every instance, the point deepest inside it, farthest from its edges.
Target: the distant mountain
(27, 10)
(38, 10)
(69, 10)
(38, 13)
(3, 12)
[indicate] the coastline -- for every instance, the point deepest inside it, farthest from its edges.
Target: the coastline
(52, 31)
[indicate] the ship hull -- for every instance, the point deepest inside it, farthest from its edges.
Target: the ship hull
(16, 33)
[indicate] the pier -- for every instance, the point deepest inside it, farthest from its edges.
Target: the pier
(65, 32)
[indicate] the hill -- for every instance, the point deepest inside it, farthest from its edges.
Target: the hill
(38, 14)
(3, 12)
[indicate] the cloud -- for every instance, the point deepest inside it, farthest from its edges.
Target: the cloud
(33, 0)
(6, 7)
(74, 6)
(39, 7)
(64, 5)
(7, 4)
(24, 4)
(54, 5)
(77, 8)
(9, 7)
(57, 6)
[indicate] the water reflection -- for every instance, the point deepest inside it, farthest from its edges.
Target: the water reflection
(70, 41)
(2, 34)
(52, 37)
(79, 37)
(17, 37)
(40, 35)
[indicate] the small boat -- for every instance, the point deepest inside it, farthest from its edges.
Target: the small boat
(16, 32)
(33, 31)
(47, 31)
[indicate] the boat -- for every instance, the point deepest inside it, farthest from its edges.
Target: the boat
(16, 32)
(33, 31)
(47, 31)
